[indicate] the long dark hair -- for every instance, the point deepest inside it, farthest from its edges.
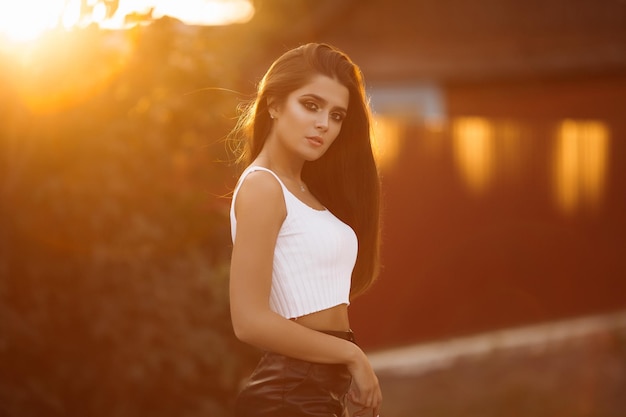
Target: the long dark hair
(345, 179)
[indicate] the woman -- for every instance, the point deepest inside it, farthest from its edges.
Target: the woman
(305, 228)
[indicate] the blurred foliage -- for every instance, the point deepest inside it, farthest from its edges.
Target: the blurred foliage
(114, 238)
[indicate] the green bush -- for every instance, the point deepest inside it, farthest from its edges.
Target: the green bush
(114, 238)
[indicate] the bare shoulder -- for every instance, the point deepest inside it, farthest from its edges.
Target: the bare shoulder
(260, 192)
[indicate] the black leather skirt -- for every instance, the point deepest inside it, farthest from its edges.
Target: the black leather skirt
(281, 386)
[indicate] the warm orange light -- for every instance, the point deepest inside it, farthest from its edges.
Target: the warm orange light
(206, 12)
(473, 142)
(44, 94)
(71, 14)
(387, 137)
(25, 20)
(580, 164)
(99, 13)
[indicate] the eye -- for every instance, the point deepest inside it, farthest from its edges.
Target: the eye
(311, 105)
(337, 116)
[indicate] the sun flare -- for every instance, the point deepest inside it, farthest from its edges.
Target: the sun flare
(26, 20)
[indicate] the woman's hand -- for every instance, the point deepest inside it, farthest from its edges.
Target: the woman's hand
(365, 392)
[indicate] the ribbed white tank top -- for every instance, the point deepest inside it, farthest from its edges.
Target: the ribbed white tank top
(313, 260)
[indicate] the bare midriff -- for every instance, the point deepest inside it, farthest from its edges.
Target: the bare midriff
(334, 318)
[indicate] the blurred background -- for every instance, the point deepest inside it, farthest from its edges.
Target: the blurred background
(500, 132)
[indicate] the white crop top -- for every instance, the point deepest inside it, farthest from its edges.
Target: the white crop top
(314, 257)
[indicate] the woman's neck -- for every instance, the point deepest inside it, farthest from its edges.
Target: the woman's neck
(283, 167)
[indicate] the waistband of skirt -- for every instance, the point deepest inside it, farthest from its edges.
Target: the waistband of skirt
(346, 335)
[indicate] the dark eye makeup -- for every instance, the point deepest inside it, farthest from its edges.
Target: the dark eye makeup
(313, 106)
(338, 116)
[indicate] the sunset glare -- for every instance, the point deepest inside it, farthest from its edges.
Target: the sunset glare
(26, 20)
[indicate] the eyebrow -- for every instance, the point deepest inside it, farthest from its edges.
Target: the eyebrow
(323, 101)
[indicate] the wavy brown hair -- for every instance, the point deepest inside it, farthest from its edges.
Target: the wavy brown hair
(345, 179)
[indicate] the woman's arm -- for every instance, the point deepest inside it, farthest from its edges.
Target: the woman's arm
(260, 210)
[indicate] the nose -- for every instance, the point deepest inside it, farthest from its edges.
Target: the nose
(321, 122)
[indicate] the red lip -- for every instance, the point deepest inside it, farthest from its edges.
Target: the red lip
(316, 140)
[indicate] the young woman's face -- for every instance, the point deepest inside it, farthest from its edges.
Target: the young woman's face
(310, 118)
